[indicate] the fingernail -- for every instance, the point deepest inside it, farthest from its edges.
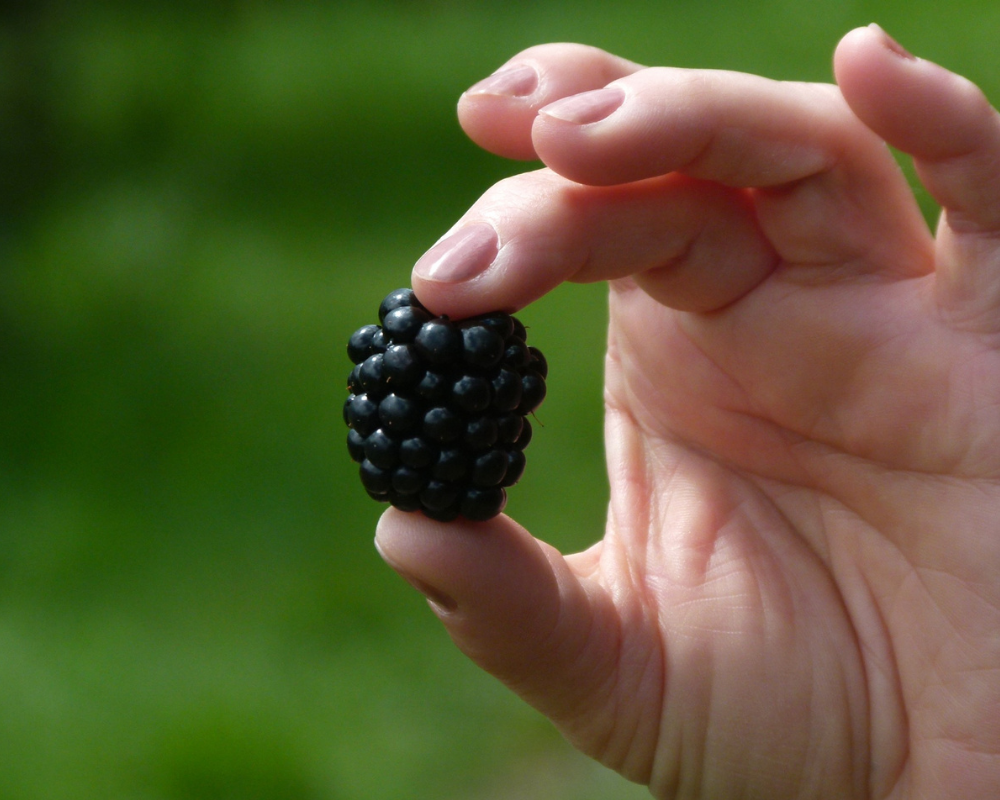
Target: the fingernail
(517, 81)
(582, 109)
(435, 597)
(891, 44)
(461, 256)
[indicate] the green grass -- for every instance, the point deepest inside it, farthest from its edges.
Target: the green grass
(201, 202)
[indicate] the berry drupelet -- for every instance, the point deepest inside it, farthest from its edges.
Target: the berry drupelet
(437, 409)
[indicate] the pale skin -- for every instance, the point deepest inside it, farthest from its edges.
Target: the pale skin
(798, 591)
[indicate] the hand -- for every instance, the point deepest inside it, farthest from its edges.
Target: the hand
(798, 593)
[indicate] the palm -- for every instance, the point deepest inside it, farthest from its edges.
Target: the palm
(766, 454)
(796, 595)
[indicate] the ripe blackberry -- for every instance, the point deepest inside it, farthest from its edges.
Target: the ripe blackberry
(437, 409)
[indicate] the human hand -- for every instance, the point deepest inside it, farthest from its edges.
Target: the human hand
(798, 593)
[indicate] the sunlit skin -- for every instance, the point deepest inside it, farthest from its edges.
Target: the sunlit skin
(798, 591)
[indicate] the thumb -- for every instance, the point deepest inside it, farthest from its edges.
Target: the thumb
(515, 606)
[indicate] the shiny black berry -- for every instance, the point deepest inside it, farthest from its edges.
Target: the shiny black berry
(397, 299)
(407, 480)
(498, 321)
(380, 341)
(507, 390)
(480, 433)
(375, 479)
(442, 425)
(489, 469)
(439, 342)
(399, 414)
(532, 392)
(483, 504)
(356, 445)
(448, 514)
(452, 465)
(515, 467)
(471, 393)
(437, 409)
(440, 495)
(404, 323)
(524, 438)
(401, 366)
(516, 354)
(362, 414)
(371, 375)
(434, 386)
(509, 427)
(482, 347)
(354, 380)
(359, 346)
(417, 452)
(382, 450)
(404, 501)
(538, 362)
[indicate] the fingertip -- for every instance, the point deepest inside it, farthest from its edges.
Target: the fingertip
(887, 42)
(472, 564)
(391, 544)
(497, 113)
(858, 38)
(503, 254)
(464, 299)
(917, 106)
(510, 602)
(862, 53)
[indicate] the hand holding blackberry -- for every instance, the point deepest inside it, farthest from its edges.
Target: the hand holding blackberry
(797, 592)
(438, 409)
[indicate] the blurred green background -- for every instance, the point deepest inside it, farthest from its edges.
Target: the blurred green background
(200, 201)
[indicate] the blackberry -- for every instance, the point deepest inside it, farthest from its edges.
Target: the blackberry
(517, 354)
(354, 381)
(507, 390)
(382, 450)
(482, 347)
(481, 433)
(398, 299)
(356, 445)
(451, 465)
(438, 409)
(442, 425)
(376, 480)
(471, 393)
(515, 468)
(361, 413)
(532, 391)
(371, 375)
(439, 342)
(360, 345)
(399, 413)
(416, 452)
(433, 386)
(404, 323)
(509, 427)
(482, 504)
